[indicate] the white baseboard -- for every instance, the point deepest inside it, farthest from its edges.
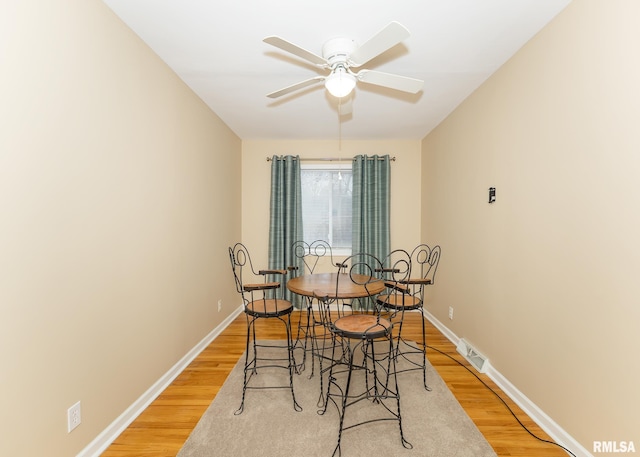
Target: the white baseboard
(557, 433)
(108, 435)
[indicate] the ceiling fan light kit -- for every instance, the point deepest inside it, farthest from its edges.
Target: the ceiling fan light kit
(340, 83)
(339, 55)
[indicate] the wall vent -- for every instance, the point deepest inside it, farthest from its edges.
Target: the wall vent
(479, 361)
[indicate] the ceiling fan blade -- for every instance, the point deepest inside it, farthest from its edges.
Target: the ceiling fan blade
(385, 39)
(295, 50)
(391, 81)
(295, 87)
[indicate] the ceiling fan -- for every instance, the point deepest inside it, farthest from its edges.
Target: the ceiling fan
(340, 55)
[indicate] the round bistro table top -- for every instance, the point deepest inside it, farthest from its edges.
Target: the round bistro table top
(325, 284)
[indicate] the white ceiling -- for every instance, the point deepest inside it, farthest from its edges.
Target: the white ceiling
(216, 47)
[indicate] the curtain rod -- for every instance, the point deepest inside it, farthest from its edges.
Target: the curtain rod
(333, 159)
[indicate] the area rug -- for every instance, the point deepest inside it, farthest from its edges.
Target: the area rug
(433, 422)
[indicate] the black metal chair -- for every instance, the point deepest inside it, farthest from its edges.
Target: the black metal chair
(260, 294)
(409, 296)
(313, 256)
(363, 362)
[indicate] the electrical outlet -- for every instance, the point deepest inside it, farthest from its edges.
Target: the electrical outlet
(73, 417)
(451, 312)
(219, 305)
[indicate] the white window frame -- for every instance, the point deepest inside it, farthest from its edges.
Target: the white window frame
(330, 167)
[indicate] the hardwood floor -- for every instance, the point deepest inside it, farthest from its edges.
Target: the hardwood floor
(161, 430)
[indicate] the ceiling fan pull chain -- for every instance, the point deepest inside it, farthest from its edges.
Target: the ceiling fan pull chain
(339, 127)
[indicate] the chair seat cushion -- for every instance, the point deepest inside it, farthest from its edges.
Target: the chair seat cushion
(268, 308)
(362, 326)
(399, 301)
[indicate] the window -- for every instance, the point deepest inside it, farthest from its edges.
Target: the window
(326, 205)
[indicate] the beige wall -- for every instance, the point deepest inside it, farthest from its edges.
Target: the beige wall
(119, 194)
(544, 281)
(256, 176)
